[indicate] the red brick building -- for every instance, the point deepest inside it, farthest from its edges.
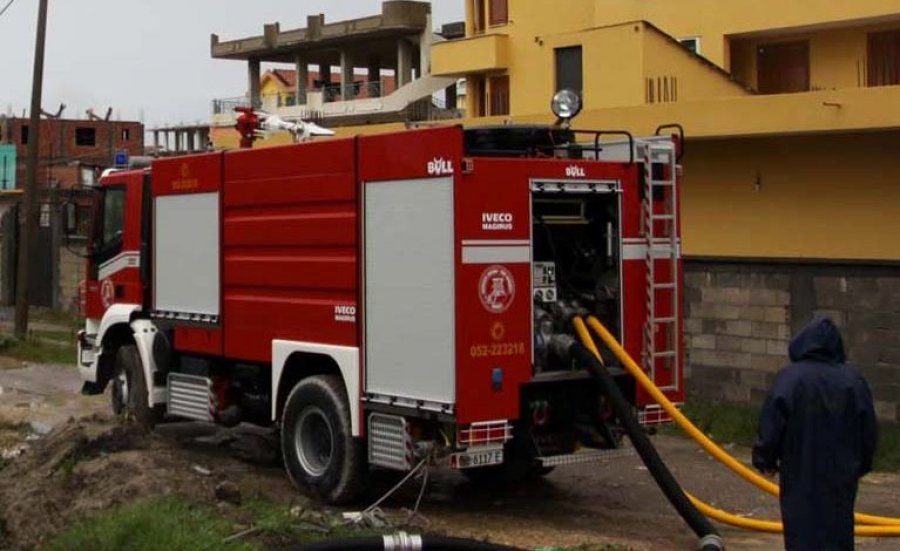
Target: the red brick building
(70, 149)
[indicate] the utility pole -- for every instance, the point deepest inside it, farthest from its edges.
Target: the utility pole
(28, 212)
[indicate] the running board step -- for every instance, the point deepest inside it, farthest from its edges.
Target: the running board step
(190, 397)
(586, 456)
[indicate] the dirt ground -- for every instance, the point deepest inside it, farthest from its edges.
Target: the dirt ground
(90, 463)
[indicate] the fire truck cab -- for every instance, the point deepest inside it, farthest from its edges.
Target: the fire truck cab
(391, 299)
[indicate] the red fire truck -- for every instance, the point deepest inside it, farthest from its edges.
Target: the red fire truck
(389, 299)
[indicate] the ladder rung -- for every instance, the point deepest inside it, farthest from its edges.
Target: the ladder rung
(663, 286)
(662, 183)
(662, 216)
(664, 354)
(664, 320)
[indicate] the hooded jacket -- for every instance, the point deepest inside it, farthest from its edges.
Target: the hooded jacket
(817, 429)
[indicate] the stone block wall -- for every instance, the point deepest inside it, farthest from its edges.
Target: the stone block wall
(739, 318)
(71, 272)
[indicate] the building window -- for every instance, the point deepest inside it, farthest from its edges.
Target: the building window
(23, 138)
(499, 12)
(883, 59)
(126, 134)
(692, 44)
(478, 15)
(568, 69)
(783, 68)
(479, 95)
(499, 103)
(85, 137)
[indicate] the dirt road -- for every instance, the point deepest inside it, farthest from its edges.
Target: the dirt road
(610, 503)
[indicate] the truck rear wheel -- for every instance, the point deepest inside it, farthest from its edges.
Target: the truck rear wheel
(319, 450)
(129, 388)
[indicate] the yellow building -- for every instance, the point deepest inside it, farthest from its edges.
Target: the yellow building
(791, 196)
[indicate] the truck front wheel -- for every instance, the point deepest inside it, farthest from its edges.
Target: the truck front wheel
(319, 450)
(129, 388)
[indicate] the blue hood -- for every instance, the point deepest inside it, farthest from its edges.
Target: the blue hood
(820, 340)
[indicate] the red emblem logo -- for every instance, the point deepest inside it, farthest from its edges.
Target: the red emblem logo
(107, 293)
(497, 289)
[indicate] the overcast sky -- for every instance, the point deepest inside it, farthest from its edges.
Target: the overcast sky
(150, 57)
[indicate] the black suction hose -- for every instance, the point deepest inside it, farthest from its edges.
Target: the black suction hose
(403, 542)
(710, 540)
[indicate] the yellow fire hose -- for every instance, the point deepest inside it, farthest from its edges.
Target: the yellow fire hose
(880, 526)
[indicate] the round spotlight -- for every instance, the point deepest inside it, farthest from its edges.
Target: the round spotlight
(566, 104)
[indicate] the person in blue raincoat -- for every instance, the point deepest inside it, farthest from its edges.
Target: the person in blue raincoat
(817, 430)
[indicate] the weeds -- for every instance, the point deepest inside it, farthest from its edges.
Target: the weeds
(38, 350)
(280, 525)
(57, 317)
(735, 423)
(176, 523)
(168, 523)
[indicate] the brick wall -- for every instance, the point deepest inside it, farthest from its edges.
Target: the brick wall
(740, 316)
(59, 146)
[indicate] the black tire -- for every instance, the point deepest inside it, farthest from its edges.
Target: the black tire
(128, 394)
(320, 453)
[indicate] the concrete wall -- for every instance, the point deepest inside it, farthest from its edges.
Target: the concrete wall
(813, 197)
(740, 316)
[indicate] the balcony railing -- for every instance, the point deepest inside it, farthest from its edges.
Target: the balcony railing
(354, 90)
(227, 105)
(330, 93)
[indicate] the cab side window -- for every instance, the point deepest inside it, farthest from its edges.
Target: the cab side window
(113, 217)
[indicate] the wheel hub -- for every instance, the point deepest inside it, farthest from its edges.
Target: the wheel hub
(314, 441)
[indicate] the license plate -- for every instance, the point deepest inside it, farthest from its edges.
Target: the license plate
(477, 458)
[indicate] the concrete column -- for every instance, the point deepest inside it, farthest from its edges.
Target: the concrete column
(325, 78)
(425, 43)
(404, 62)
(346, 76)
(156, 140)
(191, 140)
(178, 141)
(302, 68)
(253, 76)
(373, 80)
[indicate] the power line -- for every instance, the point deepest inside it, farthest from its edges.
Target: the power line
(6, 7)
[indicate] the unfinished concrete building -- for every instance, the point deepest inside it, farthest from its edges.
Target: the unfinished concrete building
(394, 44)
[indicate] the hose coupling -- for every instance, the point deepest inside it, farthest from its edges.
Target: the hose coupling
(402, 541)
(711, 542)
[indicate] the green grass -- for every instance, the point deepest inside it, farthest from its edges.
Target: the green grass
(726, 423)
(734, 423)
(64, 337)
(58, 317)
(37, 351)
(887, 456)
(176, 523)
(161, 524)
